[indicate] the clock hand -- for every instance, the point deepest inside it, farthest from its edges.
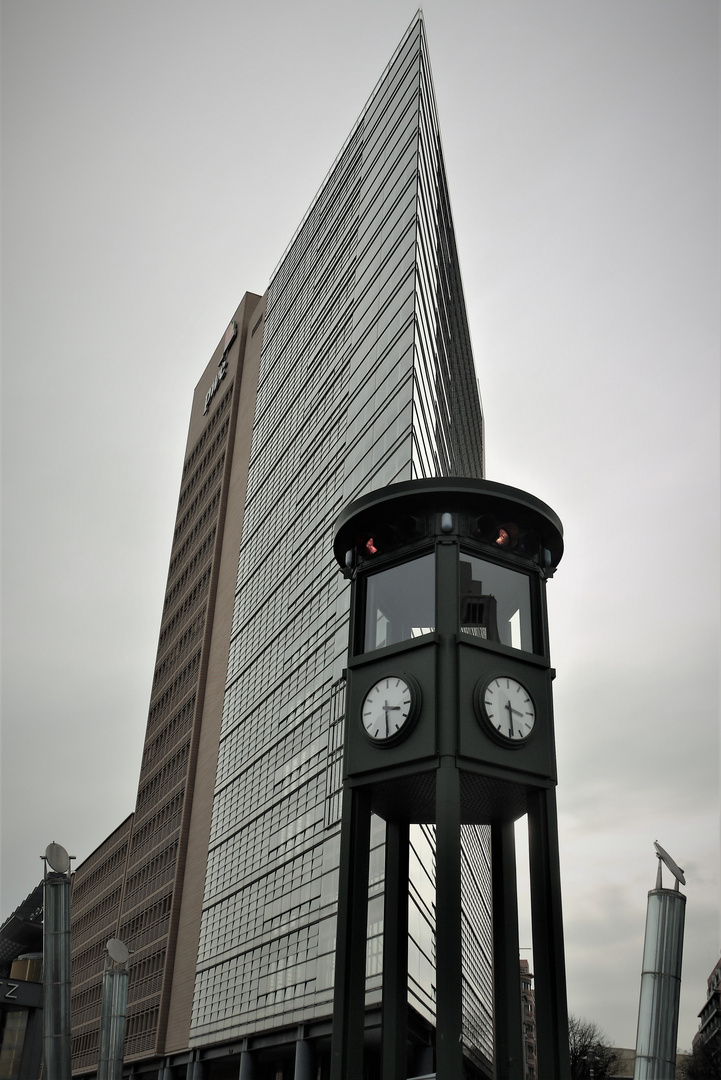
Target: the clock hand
(386, 709)
(511, 711)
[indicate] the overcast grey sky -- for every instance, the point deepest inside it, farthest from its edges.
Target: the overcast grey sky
(157, 157)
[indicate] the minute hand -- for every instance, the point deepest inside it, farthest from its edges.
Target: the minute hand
(386, 709)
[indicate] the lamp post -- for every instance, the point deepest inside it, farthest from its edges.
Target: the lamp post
(57, 884)
(113, 1010)
(658, 1007)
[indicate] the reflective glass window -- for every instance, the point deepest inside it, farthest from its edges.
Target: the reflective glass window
(496, 603)
(400, 603)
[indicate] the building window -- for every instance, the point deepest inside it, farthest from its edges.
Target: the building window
(496, 603)
(400, 603)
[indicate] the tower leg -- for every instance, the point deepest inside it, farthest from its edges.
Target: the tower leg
(449, 1048)
(506, 974)
(548, 953)
(351, 937)
(395, 953)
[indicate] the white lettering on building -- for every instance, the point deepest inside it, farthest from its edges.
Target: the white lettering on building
(230, 335)
(222, 369)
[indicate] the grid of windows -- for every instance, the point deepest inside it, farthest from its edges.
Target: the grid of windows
(179, 650)
(166, 738)
(84, 1006)
(233, 753)
(365, 359)
(96, 899)
(447, 422)
(152, 875)
(170, 774)
(476, 939)
(98, 915)
(268, 834)
(421, 921)
(294, 759)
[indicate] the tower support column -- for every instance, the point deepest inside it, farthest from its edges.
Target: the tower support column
(547, 923)
(449, 1047)
(508, 1028)
(351, 937)
(395, 952)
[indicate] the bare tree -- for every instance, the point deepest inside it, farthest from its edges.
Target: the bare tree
(591, 1056)
(703, 1064)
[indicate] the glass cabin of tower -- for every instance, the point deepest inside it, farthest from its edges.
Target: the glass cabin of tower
(503, 552)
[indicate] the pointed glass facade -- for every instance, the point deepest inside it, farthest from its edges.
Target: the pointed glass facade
(366, 379)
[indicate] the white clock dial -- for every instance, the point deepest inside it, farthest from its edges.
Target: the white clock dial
(388, 707)
(507, 708)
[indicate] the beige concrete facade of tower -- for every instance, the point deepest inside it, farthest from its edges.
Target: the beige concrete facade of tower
(178, 994)
(144, 883)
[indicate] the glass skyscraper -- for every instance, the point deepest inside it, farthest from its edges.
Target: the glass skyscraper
(365, 377)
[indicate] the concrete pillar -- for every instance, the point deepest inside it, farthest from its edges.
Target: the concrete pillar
(195, 1070)
(304, 1061)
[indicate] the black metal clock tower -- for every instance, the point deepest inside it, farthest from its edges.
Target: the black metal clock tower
(449, 720)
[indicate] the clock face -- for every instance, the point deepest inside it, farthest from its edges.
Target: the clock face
(389, 708)
(507, 709)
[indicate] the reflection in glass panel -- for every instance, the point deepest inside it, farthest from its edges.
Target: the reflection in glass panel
(400, 603)
(496, 603)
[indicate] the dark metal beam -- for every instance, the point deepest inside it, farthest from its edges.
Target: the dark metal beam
(508, 1011)
(547, 922)
(350, 963)
(395, 953)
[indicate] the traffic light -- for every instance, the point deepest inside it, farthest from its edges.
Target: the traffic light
(383, 537)
(509, 536)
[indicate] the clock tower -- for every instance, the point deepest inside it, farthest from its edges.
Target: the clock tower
(449, 720)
